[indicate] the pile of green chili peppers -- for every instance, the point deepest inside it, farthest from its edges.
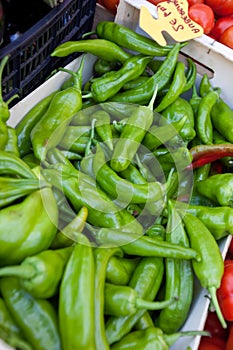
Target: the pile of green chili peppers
(115, 193)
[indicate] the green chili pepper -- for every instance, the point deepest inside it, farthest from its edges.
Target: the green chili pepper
(99, 47)
(102, 256)
(12, 141)
(12, 189)
(24, 127)
(151, 338)
(151, 194)
(129, 39)
(179, 278)
(76, 299)
(175, 89)
(67, 236)
(35, 317)
(132, 84)
(146, 281)
(34, 233)
(133, 174)
(218, 188)
(144, 322)
(40, 274)
(195, 99)
(4, 108)
(209, 270)
(51, 127)
(9, 331)
(222, 119)
(144, 92)
(103, 128)
(119, 270)
(123, 301)
(132, 135)
(190, 75)
(104, 88)
(203, 123)
(31, 160)
(13, 165)
(133, 244)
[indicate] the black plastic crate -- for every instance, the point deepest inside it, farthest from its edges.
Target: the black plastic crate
(30, 63)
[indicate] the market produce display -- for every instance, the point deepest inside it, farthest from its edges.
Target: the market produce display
(107, 209)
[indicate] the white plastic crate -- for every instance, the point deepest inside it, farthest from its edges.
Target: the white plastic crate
(199, 309)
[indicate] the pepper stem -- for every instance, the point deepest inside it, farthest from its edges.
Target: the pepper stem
(153, 305)
(22, 271)
(214, 300)
(170, 339)
(77, 76)
(151, 103)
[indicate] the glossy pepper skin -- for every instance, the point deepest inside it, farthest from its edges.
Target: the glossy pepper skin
(34, 234)
(209, 270)
(222, 119)
(132, 135)
(218, 188)
(103, 88)
(129, 39)
(99, 47)
(40, 274)
(76, 301)
(24, 127)
(50, 129)
(12, 142)
(36, 318)
(175, 112)
(13, 165)
(179, 278)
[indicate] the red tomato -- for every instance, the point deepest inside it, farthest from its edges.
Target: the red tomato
(225, 291)
(214, 343)
(111, 5)
(221, 7)
(227, 37)
(203, 15)
(193, 2)
(220, 26)
(229, 345)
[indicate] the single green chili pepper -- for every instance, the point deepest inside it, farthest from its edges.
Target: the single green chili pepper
(203, 122)
(12, 189)
(102, 256)
(132, 84)
(132, 174)
(67, 235)
(51, 127)
(151, 338)
(30, 119)
(132, 135)
(129, 39)
(119, 270)
(119, 110)
(123, 301)
(222, 119)
(179, 278)
(35, 317)
(31, 160)
(134, 244)
(190, 75)
(40, 274)
(103, 128)
(9, 331)
(205, 86)
(151, 194)
(76, 299)
(144, 322)
(218, 188)
(3, 134)
(99, 47)
(13, 165)
(195, 99)
(12, 141)
(144, 92)
(209, 270)
(104, 88)
(34, 233)
(175, 89)
(146, 281)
